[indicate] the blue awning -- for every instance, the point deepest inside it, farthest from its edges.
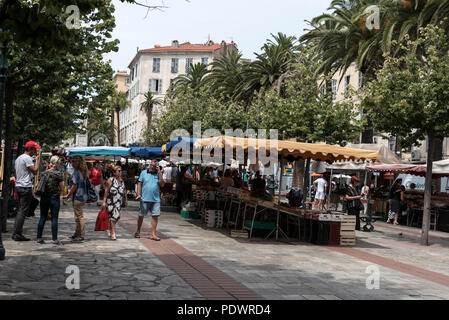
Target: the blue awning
(147, 153)
(99, 151)
(185, 143)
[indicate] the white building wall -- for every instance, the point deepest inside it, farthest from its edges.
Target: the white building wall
(133, 120)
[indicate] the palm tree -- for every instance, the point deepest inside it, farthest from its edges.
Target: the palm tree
(341, 38)
(148, 105)
(227, 74)
(194, 79)
(119, 102)
(277, 59)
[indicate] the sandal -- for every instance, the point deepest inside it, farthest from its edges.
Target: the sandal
(396, 223)
(155, 238)
(137, 235)
(113, 237)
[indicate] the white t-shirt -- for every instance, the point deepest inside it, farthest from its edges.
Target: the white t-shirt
(24, 177)
(167, 173)
(321, 184)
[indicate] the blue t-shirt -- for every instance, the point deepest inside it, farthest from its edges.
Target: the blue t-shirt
(81, 191)
(150, 186)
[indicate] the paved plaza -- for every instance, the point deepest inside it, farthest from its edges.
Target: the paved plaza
(192, 262)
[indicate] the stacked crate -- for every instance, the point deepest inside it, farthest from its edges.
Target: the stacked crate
(347, 231)
(199, 194)
(214, 218)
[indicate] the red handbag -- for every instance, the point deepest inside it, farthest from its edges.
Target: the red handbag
(102, 223)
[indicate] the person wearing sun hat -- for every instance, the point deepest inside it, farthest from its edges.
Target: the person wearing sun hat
(26, 167)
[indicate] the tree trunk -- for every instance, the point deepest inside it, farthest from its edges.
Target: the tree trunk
(117, 111)
(427, 193)
(437, 155)
(149, 119)
(368, 132)
(306, 178)
(112, 133)
(298, 174)
(9, 96)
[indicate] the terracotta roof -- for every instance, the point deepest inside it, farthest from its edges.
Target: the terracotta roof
(122, 73)
(187, 47)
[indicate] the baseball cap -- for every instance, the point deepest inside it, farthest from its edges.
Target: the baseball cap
(32, 144)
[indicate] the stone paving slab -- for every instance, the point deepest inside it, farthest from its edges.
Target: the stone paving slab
(127, 269)
(305, 269)
(122, 269)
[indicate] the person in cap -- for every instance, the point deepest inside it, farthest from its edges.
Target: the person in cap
(26, 166)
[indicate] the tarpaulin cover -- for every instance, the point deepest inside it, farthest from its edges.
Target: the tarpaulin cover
(147, 152)
(290, 149)
(185, 143)
(99, 151)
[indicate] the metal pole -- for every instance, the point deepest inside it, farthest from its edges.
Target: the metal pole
(3, 68)
(330, 190)
(279, 200)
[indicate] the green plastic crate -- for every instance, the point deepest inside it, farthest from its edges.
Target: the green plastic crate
(261, 225)
(185, 214)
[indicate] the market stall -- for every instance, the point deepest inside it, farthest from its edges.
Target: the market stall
(287, 151)
(439, 213)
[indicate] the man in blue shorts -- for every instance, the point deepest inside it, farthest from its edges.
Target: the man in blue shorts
(148, 192)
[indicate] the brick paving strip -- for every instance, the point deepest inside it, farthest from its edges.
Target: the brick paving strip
(209, 281)
(395, 265)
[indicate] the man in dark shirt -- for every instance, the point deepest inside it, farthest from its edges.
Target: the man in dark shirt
(258, 185)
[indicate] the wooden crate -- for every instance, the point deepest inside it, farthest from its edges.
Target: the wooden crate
(347, 234)
(239, 234)
(348, 218)
(347, 242)
(347, 227)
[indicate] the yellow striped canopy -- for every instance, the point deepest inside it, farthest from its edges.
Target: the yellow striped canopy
(290, 149)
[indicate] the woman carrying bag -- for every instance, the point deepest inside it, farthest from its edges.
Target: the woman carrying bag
(114, 193)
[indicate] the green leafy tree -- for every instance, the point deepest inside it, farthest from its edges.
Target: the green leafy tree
(305, 111)
(410, 97)
(341, 37)
(196, 105)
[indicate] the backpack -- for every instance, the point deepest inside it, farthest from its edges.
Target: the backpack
(40, 188)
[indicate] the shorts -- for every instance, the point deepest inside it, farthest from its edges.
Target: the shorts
(153, 207)
(320, 196)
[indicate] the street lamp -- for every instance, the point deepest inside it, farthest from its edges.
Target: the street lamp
(3, 67)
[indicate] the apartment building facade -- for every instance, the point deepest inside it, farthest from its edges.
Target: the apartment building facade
(122, 80)
(354, 78)
(153, 70)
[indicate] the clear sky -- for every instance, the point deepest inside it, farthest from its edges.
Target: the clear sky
(248, 22)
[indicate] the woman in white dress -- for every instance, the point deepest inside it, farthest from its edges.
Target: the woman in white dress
(115, 192)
